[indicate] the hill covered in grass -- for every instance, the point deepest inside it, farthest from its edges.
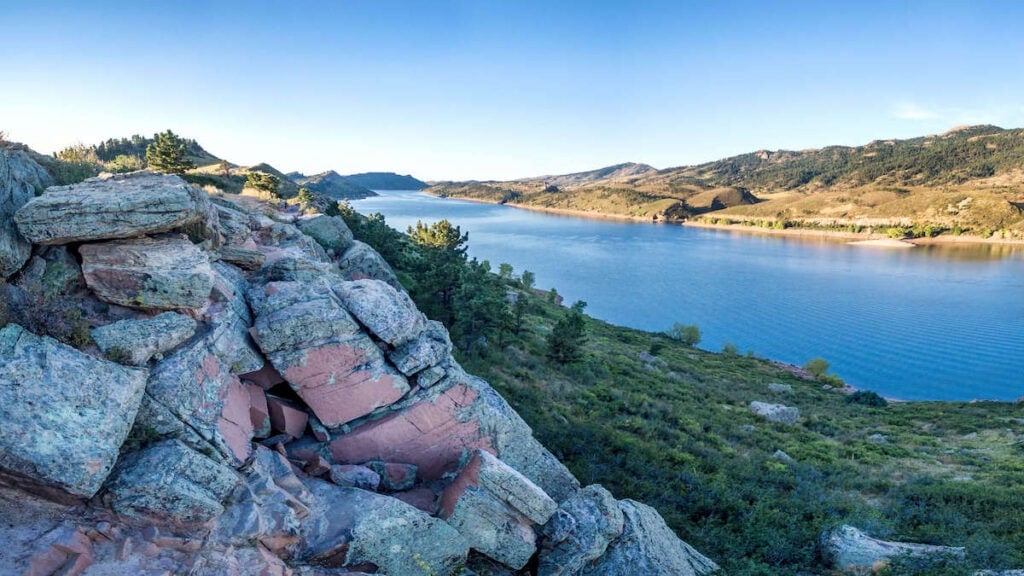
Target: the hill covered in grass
(333, 185)
(969, 180)
(386, 181)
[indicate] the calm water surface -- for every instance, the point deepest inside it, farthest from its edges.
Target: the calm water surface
(919, 324)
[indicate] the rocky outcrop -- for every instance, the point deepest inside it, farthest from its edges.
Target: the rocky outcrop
(21, 178)
(315, 344)
(297, 406)
(847, 548)
(64, 414)
(136, 341)
(121, 206)
(776, 412)
(647, 546)
(157, 273)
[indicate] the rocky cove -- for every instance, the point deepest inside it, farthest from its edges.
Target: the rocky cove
(258, 395)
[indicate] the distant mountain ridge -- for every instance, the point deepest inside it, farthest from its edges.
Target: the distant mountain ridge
(332, 184)
(386, 181)
(970, 178)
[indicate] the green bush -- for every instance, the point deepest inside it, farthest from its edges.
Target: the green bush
(867, 398)
(817, 367)
(688, 334)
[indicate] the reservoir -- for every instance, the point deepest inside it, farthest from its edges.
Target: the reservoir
(928, 323)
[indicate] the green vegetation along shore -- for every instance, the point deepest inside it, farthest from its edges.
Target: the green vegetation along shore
(675, 428)
(966, 183)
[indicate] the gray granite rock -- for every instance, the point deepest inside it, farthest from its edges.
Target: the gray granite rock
(120, 206)
(776, 412)
(21, 177)
(388, 313)
(648, 546)
(65, 414)
(136, 341)
(579, 532)
(429, 348)
(847, 548)
(159, 273)
(168, 482)
(361, 262)
(330, 232)
(495, 507)
(353, 527)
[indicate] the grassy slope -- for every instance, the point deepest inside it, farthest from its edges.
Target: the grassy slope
(673, 429)
(970, 177)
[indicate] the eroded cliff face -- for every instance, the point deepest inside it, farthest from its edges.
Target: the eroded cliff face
(262, 397)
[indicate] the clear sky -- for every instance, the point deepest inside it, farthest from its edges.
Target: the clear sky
(486, 89)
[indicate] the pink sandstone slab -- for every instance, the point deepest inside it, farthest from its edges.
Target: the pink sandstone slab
(286, 417)
(427, 434)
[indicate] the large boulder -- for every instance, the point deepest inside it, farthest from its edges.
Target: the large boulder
(648, 546)
(579, 532)
(388, 313)
(330, 232)
(780, 413)
(21, 177)
(169, 483)
(354, 528)
(847, 548)
(64, 414)
(439, 428)
(158, 273)
(197, 388)
(315, 344)
(429, 349)
(495, 507)
(361, 261)
(120, 206)
(136, 341)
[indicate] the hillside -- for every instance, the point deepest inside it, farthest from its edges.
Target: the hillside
(969, 180)
(333, 185)
(386, 181)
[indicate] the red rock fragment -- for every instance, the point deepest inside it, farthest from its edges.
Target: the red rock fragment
(317, 466)
(422, 498)
(235, 423)
(259, 414)
(266, 377)
(286, 417)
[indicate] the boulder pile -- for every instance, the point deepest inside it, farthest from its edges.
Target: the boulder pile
(261, 396)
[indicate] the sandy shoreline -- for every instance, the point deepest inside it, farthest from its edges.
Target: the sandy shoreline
(852, 238)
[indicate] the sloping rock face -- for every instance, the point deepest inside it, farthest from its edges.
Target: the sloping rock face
(150, 273)
(296, 406)
(847, 548)
(647, 546)
(21, 178)
(121, 206)
(64, 414)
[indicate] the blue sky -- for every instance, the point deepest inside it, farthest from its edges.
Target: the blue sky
(486, 89)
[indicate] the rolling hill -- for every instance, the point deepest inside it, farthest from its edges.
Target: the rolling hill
(969, 180)
(386, 181)
(332, 184)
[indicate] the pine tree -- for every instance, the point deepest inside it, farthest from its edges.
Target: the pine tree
(167, 154)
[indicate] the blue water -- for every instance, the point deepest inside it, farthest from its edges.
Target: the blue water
(920, 324)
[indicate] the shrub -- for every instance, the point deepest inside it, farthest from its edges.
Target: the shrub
(124, 163)
(167, 154)
(263, 182)
(46, 313)
(817, 367)
(867, 398)
(730, 349)
(688, 334)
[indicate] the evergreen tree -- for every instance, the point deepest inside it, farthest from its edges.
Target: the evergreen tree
(565, 343)
(167, 154)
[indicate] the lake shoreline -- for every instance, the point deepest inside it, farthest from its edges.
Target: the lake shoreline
(848, 237)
